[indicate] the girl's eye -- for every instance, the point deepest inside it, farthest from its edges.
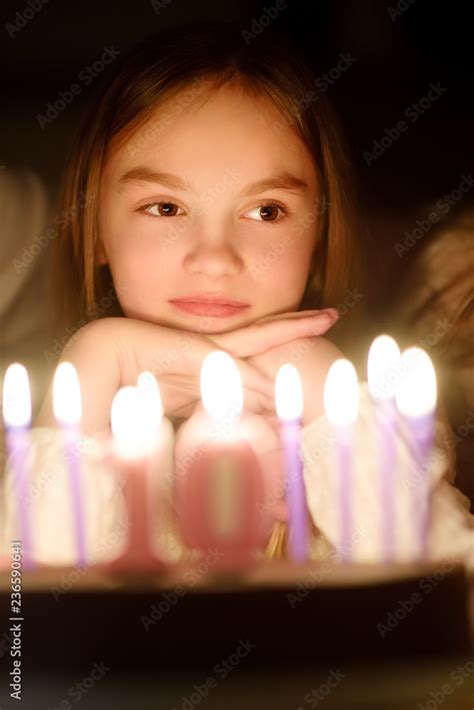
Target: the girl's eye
(160, 209)
(269, 213)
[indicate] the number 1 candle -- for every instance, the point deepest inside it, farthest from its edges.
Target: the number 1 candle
(141, 450)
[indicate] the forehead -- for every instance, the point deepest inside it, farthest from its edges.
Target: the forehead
(203, 131)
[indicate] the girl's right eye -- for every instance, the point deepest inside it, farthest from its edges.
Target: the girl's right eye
(162, 209)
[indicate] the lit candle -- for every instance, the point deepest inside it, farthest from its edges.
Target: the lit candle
(341, 404)
(416, 394)
(383, 361)
(141, 450)
(218, 479)
(67, 408)
(289, 407)
(17, 418)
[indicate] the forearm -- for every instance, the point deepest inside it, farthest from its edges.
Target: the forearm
(93, 353)
(111, 352)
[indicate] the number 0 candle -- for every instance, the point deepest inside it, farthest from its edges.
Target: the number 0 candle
(218, 479)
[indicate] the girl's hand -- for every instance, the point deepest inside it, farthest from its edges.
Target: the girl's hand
(175, 357)
(275, 330)
(182, 385)
(312, 357)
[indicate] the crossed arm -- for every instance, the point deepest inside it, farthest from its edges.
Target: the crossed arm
(111, 352)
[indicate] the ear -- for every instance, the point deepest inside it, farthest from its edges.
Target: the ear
(100, 255)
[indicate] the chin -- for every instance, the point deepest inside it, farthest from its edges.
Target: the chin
(205, 325)
(211, 326)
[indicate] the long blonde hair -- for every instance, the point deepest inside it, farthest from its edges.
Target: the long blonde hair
(160, 68)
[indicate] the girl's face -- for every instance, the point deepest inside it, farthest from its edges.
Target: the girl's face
(219, 199)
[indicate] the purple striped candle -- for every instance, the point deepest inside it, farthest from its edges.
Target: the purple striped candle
(68, 411)
(17, 418)
(416, 395)
(341, 404)
(382, 372)
(289, 406)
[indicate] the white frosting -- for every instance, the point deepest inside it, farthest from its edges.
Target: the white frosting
(49, 502)
(452, 529)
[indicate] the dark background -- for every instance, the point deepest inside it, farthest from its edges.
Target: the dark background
(396, 61)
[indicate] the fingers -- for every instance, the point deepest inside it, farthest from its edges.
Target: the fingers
(275, 330)
(257, 382)
(180, 382)
(257, 403)
(332, 312)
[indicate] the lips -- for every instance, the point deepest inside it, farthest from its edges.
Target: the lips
(216, 305)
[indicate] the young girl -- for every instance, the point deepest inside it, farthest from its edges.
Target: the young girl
(215, 208)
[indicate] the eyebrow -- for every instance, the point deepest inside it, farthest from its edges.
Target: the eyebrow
(282, 181)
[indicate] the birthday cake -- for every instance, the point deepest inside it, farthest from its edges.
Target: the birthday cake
(394, 541)
(451, 529)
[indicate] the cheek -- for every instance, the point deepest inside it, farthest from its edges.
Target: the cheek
(140, 272)
(285, 261)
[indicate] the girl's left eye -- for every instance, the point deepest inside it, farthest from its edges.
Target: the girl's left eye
(165, 209)
(271, 211)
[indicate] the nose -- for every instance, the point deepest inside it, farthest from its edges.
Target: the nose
(213, 255)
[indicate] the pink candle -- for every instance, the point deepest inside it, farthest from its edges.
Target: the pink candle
(383, 363)
(341, 404)
(219, 484)
(289, 406)
(141, 450)
(17, 418)
(416, 396)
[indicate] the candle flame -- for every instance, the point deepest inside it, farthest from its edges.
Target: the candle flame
(126, 423)
(288, 393)
(136, 417)
(16, 397)
(67, 406)
(382, 367)
(341, 393)
(221, 386)
(149, 395)
(416, 390)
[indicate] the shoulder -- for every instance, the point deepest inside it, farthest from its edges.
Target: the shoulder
(312, 357)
